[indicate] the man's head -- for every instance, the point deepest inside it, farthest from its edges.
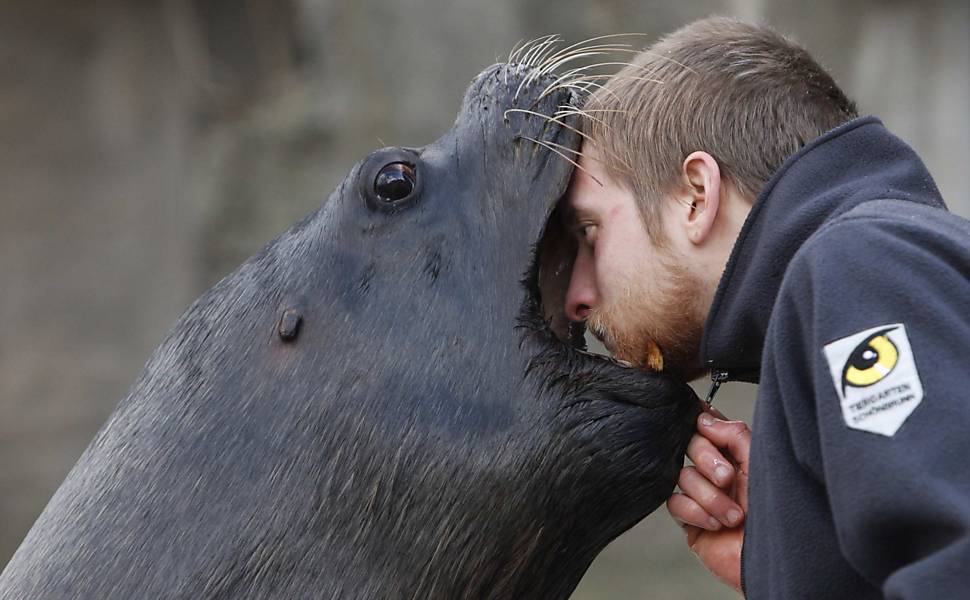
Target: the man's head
(680, 142)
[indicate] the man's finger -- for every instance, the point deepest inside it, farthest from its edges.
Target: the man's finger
(710, 462)
(688, 512)
(715, 501)
(718, 414)
(693, 533)
(741, 489)
(732, 435)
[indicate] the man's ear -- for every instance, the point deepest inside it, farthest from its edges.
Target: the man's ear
(701, 181)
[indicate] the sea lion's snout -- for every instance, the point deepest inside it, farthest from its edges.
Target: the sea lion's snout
(529, 128)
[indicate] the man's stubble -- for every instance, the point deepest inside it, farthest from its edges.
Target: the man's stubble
(663, 311)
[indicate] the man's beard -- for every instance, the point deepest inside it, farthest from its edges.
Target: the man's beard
(664, 314)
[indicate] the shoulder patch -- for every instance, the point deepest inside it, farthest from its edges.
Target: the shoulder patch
(875, 376)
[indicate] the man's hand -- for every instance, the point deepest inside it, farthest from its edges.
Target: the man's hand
(713, 497)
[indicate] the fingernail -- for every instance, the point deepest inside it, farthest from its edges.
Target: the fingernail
(734, 516)
(721, 472)
(718, 414)
(713, 524)
(707, 420)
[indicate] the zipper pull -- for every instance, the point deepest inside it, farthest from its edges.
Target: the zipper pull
(717, 378)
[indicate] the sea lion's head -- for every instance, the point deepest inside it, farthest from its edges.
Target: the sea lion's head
(378, 405)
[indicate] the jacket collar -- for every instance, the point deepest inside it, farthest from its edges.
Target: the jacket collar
(854, 163)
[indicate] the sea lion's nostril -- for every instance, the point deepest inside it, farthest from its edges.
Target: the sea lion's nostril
(289, 324)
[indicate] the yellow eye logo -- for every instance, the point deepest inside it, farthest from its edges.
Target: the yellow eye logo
(871, 361)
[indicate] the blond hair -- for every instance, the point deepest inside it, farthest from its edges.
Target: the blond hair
(741, 92)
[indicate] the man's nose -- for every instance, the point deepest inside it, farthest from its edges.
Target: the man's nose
(582, 295)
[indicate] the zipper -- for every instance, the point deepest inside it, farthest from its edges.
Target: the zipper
(718, 376)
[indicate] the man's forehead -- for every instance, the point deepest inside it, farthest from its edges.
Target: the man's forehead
(575, 196)
(584, 179)
(587, 188)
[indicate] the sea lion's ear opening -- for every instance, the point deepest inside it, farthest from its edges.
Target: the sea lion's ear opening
(391, 179)
(556, 254)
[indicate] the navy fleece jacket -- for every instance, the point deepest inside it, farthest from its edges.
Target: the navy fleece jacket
(847, 297)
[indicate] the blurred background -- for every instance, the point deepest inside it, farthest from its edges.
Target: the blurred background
(148, 147)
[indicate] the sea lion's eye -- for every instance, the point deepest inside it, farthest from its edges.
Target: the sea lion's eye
(394, 182)
(391, 180)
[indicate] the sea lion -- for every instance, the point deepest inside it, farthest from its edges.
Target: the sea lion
(375, 405)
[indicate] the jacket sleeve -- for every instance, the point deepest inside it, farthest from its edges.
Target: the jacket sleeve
(871, 343)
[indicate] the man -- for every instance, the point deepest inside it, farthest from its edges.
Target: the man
(734, 211)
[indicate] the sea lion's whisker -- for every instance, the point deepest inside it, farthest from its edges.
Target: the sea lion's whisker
(512, 54)
(583, 53)
(572, 76)
(550, 49)
(525, 49)
(563, 53)
(558, 58)
(552, 67)
(537, 58)
(581, 113)
(562, 147)
(538, 43)
(530, 58)
(619, 48)
(589, 110)
(526, 60)
(559, 79)
(567, 111)
(593, 51)
(584, 88)
(518, 90)
(611, 64)
(539, 55)
(555, 85)
(565, 125)
(564, 157)
(596, 39)
(575, 71)
(618, 77)
(514, 50)
(540, 58)
(531, 48)
(550, 119)
(561, 58)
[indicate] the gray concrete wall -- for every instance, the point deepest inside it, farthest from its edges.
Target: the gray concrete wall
(147, 147)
